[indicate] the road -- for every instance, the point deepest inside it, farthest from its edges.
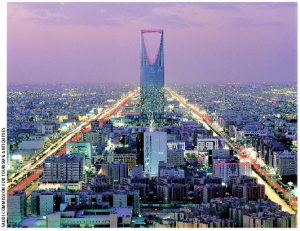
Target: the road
(272, 195)
(269, 191)
(36, 174)
(32, 171)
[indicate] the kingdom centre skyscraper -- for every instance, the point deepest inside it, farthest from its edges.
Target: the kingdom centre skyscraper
(152, 79)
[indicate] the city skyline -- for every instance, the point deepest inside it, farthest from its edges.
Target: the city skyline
(152, 76)
(205, 42)
(183, 149)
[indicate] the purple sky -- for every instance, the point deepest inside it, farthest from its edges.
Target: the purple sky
(100, 42)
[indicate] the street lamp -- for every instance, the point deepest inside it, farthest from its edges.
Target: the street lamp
(290, 185)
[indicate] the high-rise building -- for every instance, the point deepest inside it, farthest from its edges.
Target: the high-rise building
(49, 128)
(207, 143)
(250, 191)
(129, 158)
(42, 202)
(176, 157)
(115, 170)
(155, 150)
(63, 169)
(219, 154)
(176, 145)
(46, 203)
(140, 148)
(213, 191)
(81, 148)
(94, 125)
(172, 192)
(204, 193)
(277, 219)
(95, 137)
(98, 218)
(16, 210)
(152, 78)
(137, 171)
(224, 168)
(235, 180)
(107, 126)
(285, 163)
(168, 170)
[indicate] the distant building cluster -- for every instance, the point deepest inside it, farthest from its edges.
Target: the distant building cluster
(118, 173)
(152, 162)
(260, 118)
(228, 213)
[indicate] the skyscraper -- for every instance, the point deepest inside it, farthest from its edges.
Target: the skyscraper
(152, 78)
(155, 150)
(140, 148)
(63, 169)
(80, 148)
(16, 210)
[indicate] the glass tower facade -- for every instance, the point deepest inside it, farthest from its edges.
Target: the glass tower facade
(152, 79)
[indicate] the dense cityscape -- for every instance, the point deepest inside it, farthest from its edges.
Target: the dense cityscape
(218, 155)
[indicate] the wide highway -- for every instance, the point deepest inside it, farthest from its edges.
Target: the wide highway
(272, 195)
(34, 166)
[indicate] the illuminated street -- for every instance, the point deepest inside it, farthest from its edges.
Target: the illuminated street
(36, 166)
(272, 195)
(150, 115)
(269, 191)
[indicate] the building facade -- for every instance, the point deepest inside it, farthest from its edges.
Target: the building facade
(155, 150)
(63, 169)
(16, 210)
(152, 78)
(227, 168)
(207, 143)
(129, 158)
(81, 148)
(114, 170)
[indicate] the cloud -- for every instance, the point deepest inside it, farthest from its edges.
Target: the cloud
(249, 22)
(275, 5)
(91, 14)
(230, 7)
(118, 14)
(176, 15)
(69, 41)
